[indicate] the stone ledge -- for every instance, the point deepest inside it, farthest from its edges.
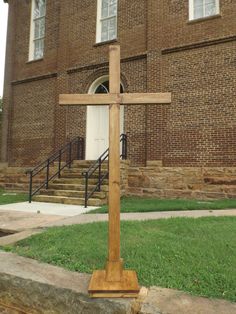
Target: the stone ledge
(38, 288)
(42, 288)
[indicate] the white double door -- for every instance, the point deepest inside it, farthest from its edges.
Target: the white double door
(97, 130)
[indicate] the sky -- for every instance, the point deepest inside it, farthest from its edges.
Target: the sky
(3, 32)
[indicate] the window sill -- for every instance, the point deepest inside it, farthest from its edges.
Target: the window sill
(36, 60)
(105, 43)
(202, 19)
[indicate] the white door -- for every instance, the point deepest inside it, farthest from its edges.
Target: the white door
(97, 129)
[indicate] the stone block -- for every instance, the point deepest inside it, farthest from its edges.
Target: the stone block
(154, 163)
(41, 288)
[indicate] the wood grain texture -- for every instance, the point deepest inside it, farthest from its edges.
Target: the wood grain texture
(114, 265)
(149, 98)
(127, 285)
(115, 98)
(87, 99)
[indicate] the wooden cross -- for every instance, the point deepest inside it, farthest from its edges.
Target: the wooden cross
(114, 281)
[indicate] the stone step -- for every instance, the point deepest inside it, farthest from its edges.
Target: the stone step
(82, 170)
(67, 200)
(79, 174)
(86, 164)
(220, 181)
(80, 181)
(86, 167)
(72, 193)
(77, 187)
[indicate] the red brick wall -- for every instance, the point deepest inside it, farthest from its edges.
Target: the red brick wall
(32, 131)
(196, 62)
(161, 51)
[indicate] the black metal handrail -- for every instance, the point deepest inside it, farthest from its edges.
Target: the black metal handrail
(65, 156)
(98, 165)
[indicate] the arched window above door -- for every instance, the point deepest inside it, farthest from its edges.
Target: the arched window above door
(101, 86)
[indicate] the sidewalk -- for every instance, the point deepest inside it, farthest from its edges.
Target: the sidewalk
(25, 216)
(88, 218)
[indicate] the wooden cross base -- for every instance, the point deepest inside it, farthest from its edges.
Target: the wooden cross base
(127, 287)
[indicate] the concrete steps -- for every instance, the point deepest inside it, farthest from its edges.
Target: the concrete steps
(70, 188)
(67, 200)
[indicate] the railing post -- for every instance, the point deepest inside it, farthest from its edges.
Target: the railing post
(125, 147)
(70, 154)
(78, 148)
(59, 165)
(47, 177)
(86, 190)
(99, 175)
(82, 155)
(30, 186)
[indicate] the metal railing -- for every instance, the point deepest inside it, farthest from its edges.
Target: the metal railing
(97, 165)
(65, 156)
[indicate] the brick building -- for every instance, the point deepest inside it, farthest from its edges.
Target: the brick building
(187, 47)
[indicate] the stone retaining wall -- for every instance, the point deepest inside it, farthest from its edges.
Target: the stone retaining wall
(16, 179)
(13, 178)
(182, 182)
(124, 172)
(152, 181)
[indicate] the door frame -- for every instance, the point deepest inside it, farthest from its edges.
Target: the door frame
(92, 90)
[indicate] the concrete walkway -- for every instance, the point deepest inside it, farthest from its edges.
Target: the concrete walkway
(87, 218)
(47, 208)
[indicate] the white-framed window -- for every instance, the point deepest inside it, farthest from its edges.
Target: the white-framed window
(106, 20)
(203, 8)
(37, 30)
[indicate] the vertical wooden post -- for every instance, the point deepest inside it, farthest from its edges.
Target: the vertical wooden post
(114, 265)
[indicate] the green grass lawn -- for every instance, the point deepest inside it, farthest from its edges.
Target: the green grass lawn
(194, 255)
(135, 204)
(11, 197)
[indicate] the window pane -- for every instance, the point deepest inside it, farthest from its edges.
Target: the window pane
(113, 10)
(104, 36)
(113, 2)
(103, 88)
(39, 29)
(104, 12)
(39, 8)
(210, 2)
(210, 9)
(105, 6)
(198, 12)
(112, 28)
(198, 3)
(38, 48)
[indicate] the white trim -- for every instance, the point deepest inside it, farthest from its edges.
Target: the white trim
(92, 90)
(191, 10)
(31, 43)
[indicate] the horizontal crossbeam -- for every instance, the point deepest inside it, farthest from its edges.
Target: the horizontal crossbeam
(106, 99)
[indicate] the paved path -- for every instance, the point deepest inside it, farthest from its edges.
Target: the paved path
(87, 218)
(47, 208)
